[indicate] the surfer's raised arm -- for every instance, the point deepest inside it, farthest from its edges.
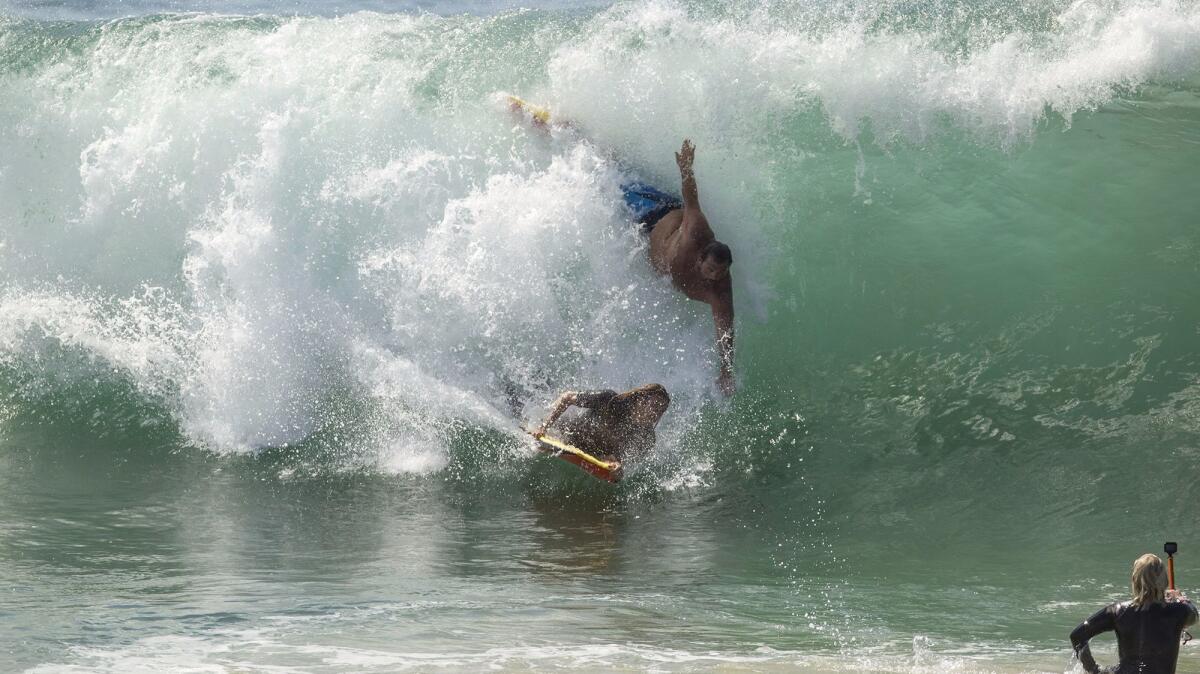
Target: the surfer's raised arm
(699, 264)
(695, 225)
(684, 159)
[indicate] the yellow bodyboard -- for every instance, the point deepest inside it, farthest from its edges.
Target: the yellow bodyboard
(604, 470)
(571, 449)
(539, 113)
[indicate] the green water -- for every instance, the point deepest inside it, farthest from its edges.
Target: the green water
(263, 282)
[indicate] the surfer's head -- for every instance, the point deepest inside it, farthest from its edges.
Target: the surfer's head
(1148, 580)
(644, 405)
(715, 260)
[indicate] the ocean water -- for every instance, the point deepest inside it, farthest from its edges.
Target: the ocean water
(268, 272)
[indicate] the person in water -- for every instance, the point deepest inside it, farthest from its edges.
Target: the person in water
(613, 425)
(683, 247)
(1148, 626)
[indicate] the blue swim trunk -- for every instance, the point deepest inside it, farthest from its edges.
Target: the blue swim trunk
(648, 204)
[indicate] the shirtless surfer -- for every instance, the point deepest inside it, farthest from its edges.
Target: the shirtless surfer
(683, 246)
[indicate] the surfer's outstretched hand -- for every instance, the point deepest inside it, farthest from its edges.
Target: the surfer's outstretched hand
(686, 155)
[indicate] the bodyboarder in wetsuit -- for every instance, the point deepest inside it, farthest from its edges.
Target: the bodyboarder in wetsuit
(1148, 627)
(613, 425)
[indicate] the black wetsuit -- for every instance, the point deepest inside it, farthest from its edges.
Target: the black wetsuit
(1147, 637)
(602, 430)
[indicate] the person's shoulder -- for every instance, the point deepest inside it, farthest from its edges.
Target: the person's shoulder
(1105, 618)
(1117, 608)
(1182, 607)
(594, 398)
(1182, 613)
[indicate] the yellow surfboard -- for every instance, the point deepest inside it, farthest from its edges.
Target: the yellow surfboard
(610, 471)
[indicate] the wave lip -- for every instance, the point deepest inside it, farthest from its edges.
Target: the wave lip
(901, 82)
(54, 10)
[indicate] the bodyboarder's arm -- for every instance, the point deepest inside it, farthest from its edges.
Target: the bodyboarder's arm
(587, 399)
(694, 225)
(564, 401)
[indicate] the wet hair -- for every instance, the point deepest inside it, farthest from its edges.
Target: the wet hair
(1148, 580)
(622, 404)
(719, 251)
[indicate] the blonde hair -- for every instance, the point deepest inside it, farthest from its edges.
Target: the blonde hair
(1148, 580)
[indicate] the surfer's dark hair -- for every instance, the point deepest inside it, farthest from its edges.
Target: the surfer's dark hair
(622, 404)
(718, 251)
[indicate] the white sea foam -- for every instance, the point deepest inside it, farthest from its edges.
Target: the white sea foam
(638, 71)
(268, 650)
(234, 168)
